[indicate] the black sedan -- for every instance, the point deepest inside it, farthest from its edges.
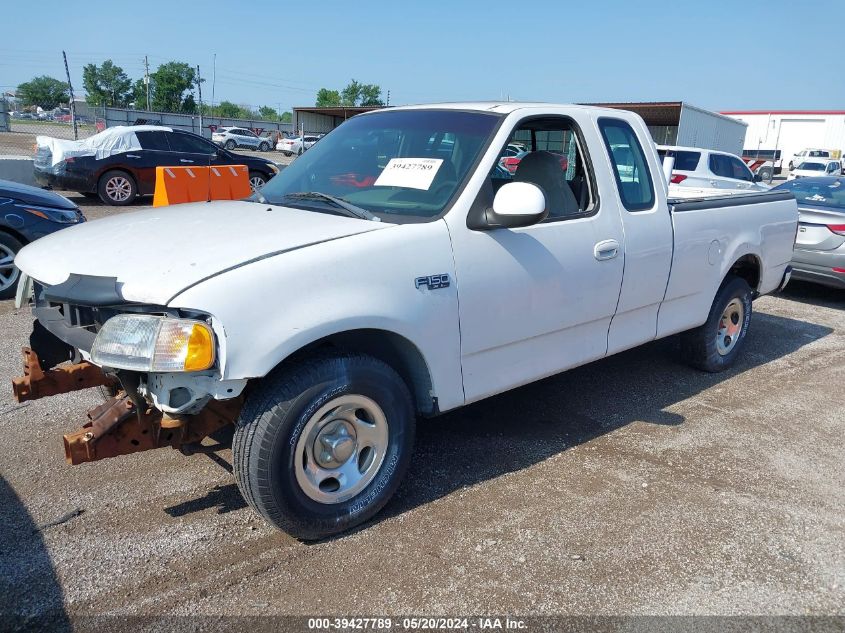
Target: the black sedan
(119, 164)
(27, 213)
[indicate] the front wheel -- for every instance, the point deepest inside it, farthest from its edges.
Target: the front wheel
(715, 345)
(9, 273)
(264, 147)
(230, 144)
(257, 180)
(321, 446)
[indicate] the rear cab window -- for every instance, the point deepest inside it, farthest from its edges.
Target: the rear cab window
(630, 168)
(153, 141)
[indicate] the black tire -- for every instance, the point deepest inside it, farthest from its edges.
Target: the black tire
(111, 179)
(264, 147)
(230, 144)
(9, 273)
(765, 174)
(790, 165)
(254, 177)
(287, 154)
(299, 153)
(699, 346)
(264, 447)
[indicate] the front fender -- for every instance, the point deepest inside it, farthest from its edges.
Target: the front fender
(265, 311)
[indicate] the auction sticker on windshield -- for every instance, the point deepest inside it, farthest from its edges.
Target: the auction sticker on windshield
(414, 173)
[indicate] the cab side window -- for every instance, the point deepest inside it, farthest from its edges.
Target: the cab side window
(739, 170)
(633, 178)
(546, 152)
(190, 144)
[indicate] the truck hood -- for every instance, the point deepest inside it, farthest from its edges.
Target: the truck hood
(157, 253)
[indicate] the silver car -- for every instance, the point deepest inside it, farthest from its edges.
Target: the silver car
(819, 254)
(233, 137)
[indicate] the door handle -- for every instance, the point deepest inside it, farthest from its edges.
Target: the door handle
(606, 249)
(185, 160)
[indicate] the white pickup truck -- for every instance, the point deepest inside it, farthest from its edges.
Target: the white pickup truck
(394, 271)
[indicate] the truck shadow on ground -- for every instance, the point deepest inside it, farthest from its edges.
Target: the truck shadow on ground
(815, 294)
(31, 598)
(518, 429)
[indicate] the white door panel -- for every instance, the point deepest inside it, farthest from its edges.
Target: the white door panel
(534, 301)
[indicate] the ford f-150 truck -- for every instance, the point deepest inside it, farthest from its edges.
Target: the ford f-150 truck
(392, 272)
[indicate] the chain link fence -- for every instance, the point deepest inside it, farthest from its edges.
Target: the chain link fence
(20, 126)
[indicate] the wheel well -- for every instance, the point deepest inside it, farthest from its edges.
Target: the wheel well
(747, 267)
(391, 348)
(20, 238)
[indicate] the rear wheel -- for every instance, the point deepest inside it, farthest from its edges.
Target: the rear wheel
(321, 446)
(765, 174)
(9, 273)
(117, 188)
(287, 153)
(230, 144)
(715, 345)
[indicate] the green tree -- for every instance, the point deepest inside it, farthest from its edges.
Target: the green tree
(106, 85)
(351, 95)
(228, 110)
(371, 95)
(267, 113)
(286, 117)
(139, 94)
(43, 91)
(189, 106)
(170, 83)
(326, 98)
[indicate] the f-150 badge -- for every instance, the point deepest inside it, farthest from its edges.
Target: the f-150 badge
(432, 282)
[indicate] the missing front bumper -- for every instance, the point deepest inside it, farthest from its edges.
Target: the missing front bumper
(117, 427)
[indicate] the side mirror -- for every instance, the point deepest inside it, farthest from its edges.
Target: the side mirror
(758, 178)
(517, 204)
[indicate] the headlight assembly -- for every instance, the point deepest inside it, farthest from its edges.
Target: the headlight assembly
(149, 343)
(62, 216)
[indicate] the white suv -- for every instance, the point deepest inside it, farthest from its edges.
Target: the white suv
(709, 169)
(816, 167)
(232, 137)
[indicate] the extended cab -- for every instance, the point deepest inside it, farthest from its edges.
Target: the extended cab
(392, 271)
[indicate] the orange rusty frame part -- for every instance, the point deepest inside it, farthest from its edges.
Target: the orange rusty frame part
(115, 428)
(37, 383)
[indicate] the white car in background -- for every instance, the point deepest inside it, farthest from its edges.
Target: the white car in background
(816, 167)
(708, 169)
(290, 146)
(233, 137)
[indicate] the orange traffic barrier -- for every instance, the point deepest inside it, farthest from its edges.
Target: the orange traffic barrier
(175, 185)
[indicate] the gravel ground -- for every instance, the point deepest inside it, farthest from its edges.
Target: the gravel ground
(634, 485)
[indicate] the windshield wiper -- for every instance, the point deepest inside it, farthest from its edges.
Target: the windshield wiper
(350, 209)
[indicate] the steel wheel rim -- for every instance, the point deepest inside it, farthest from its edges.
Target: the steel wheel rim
(8, 271)
(341, 449)
(118, 189)
(730, 327)
(256, 182)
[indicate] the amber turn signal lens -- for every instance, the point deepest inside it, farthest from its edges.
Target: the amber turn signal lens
(200, 349)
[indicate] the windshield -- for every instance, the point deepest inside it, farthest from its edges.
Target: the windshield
(823, 192)
(400, 164)
(811, 166)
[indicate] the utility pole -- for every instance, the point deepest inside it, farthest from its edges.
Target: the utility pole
(72, 106)
(213, 81)
(199, 90)
(388, 97)
(147, 80)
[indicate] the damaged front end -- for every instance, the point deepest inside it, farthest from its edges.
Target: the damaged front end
(144, 409)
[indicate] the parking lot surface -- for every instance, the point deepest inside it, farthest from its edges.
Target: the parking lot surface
(634, 485)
